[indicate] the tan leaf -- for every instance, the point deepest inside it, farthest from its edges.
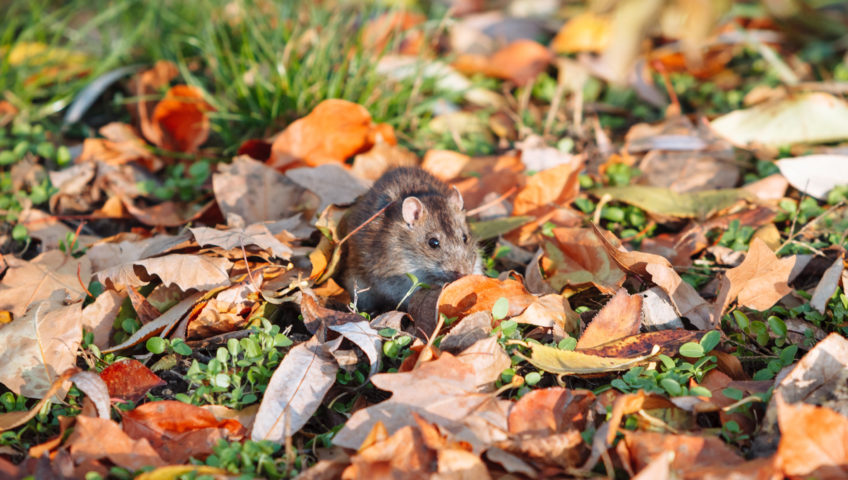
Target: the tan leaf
(553, 187)
(185, 271)
(331, 182)
(620, 317)
(258, 193)
(228, 239)
(813, 117)
(565, 362)
(27, 282)
(445, 391)
(444, 164)
(381, 157)
(121, 144)
(40, 345)
(295, 391)
(761, 280)
(86, 443)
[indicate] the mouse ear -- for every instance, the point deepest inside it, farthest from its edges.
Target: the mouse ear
(412, 210)
(455, 198)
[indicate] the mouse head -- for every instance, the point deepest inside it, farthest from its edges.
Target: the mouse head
(437, 238)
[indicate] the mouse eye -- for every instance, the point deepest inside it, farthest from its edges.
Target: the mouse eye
(433, 242)
(464, 238)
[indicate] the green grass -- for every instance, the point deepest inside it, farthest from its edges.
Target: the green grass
(262, 65)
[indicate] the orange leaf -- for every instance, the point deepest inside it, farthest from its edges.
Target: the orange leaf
(549, 188)
(620, 317)
(578, 259)
(520, 62)
(477, 293)
(586, 32)
(179, 121)
(377, 33)
(332, 132)
(813, 441)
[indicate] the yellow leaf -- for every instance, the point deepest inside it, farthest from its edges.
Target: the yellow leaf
(567, 362)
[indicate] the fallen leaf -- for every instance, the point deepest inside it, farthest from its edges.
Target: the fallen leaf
(828, 284)
(162, 325)
(129, 379)
(476, 293)
(27, 282)
(178, 431)
(813, 441)
(332, 132)
(444, 164)
(121, 144)
(179, 122)
(814, 117)
(201, 272)
(585, 32)
(620, 317)
(375, 162)
(667, 205)
(453, 399)
(87, 443)
(760, 280)
(295, 391)
(258, 193)
(332, 183)
(232, 238)
(556, 186)
(16, 418)
(690, 451)
(40, 345)
(815, 175)
(578, 260)
(565, 362)
(398, 29)
(642, 344)
(519, 62)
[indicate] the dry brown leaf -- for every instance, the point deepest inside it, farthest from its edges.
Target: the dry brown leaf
(620, 317)
(641, 344)
(40, 345)
(121, 144)
(27, 282)
(238, 238)
(691, 451)
(445, 391)
(551, 188)
(687, 302)
(813, 441)
(332, 132)
(551, 311)
(760, 281)
(331, 182)
(199, 272)
(828, 284)
(99, 316)
(87, 443)
(519, 62)
(296, 390)
(578, 260)
(162, 325)
(178, 431)
(258, 193)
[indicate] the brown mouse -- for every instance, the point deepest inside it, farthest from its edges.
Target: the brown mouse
(423, 231)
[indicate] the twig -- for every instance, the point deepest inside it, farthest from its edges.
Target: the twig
(366, 222)
(79, 277)
(76, 235)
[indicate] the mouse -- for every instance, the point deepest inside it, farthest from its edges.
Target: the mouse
(423, 231)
